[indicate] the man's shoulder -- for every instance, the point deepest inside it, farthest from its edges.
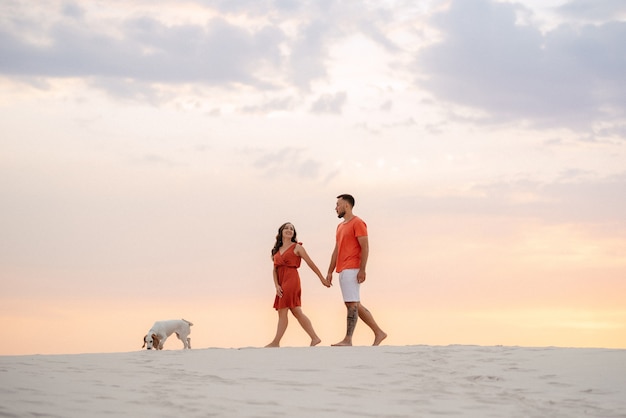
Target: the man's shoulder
(353, 224)
(360, 228)
(358, 223)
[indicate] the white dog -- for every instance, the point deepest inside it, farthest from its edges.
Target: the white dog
(155, 338)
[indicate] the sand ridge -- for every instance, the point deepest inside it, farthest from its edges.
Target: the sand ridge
(385, 381)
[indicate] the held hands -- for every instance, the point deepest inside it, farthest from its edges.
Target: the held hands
(325, 282)
(329, 279)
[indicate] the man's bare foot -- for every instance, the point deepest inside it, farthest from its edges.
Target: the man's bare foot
(272, 345)
(343, 343)
(378, 338)
(315, 342)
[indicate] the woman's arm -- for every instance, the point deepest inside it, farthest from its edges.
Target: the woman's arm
(301, 252)
(331, 267)
(279, 290)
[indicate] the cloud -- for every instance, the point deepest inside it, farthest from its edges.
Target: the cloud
(570, 76)
(272, 105)
(152, 158)
(575, 197)
(143, 49)
(593, 9)
(148, 50)
(488, 58)
(72, 10)
(308, 53)
(376, 34)
(329, 103)
(287, 45)
(253, 7)
(288, 161)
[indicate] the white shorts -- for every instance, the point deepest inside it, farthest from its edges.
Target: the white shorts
(350, 287)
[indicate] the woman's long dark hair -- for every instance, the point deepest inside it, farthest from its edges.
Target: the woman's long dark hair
(279, 237)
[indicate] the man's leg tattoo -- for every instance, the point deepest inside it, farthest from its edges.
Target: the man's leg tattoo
(353, 316)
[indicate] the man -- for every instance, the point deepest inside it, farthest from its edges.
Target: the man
(350, 259)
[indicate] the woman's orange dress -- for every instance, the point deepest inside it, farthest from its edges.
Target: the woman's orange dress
(287, 265)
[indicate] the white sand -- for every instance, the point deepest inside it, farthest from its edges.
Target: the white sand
(411, 381)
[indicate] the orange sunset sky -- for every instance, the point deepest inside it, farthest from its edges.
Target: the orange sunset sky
(151, 149)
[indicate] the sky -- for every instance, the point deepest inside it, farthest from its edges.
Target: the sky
(150, 149)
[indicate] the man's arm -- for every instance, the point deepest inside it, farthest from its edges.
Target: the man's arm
(365, 251)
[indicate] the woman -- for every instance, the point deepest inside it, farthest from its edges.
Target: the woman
(287, 254)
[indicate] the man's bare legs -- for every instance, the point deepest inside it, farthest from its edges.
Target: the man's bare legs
(366, 316)
(305, 323)
(352, 318)
(282, 326)
(355, 311)
(283, 320)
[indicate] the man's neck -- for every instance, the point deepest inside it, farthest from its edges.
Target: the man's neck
(348, 217)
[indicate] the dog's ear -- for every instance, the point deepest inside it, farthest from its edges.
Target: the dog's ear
(144, 340)
(156, 342)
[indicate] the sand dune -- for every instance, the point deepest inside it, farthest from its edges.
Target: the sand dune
(385, 381)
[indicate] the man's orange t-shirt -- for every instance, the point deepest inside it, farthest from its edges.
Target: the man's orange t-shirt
(348, 247)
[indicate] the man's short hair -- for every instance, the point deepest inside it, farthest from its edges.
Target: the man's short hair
(348, 198)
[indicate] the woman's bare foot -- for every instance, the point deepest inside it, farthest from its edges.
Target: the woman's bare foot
(315, 341)
(272, 345)
(378, 338)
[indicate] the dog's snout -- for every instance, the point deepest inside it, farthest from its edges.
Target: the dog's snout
(149, 348)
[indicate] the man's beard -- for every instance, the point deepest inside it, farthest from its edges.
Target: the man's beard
(341, 214)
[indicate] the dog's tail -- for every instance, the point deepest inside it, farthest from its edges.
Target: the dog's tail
(187, 322)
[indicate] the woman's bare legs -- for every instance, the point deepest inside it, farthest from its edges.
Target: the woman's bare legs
(305, 322)
(280, 328)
